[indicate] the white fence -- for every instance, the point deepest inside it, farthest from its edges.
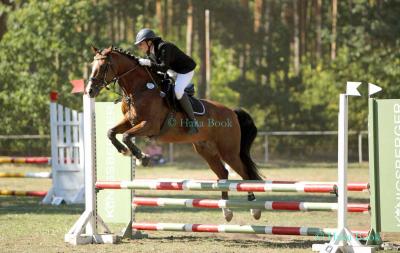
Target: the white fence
(67, 155)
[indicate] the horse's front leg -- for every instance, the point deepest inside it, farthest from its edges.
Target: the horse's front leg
(143, 128)
(120, 128)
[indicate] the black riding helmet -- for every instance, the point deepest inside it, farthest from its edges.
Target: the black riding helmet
(145, 34)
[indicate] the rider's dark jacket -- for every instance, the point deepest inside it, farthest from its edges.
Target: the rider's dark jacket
(168, 56)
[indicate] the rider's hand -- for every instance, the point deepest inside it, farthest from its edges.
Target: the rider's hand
(144, 62)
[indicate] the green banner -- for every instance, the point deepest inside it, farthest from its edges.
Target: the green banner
(114, 206)
(384, 160)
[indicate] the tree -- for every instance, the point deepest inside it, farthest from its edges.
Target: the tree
(38, 57)
(334, 33)
(189, 28)
(318, 25)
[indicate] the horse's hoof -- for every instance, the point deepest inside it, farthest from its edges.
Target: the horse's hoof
(145, 161)
(126, 152)
(228, 214)
(256, 213)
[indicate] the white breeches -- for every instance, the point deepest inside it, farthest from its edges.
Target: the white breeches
(182, 81)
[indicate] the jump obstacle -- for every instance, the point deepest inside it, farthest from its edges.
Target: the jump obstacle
(230, 185)
(32, 159)
(256, 204)
(23, 193)
(91, 220)
(26, 175)
(25, 160)
(245, 229)
(66, 160)
(216, 186)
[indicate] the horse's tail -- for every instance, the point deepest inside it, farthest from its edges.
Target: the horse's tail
(248, 132)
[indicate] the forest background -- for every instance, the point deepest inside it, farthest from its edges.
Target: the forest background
(283, 61)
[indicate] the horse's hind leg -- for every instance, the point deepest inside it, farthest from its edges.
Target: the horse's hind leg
(209, 152)
(234, 161)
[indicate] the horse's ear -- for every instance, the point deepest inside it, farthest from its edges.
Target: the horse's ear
(107, 50)
(94, 49)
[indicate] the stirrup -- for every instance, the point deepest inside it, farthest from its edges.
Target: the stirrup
(193, 129)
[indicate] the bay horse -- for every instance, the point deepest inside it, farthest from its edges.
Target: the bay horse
(145, 112)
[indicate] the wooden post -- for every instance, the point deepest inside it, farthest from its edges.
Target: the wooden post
(189, 29)
(266, 151)
(208, 60)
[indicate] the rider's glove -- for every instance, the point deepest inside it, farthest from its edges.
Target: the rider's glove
(144, 62)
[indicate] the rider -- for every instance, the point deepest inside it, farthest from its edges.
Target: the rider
(164, 56)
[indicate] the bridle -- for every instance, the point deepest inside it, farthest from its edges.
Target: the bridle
(102, 77)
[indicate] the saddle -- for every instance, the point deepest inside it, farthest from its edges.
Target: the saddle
(167, 89)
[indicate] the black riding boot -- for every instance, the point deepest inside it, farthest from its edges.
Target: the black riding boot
(187, 107)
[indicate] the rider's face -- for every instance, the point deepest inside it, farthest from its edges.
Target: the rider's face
(143, 46)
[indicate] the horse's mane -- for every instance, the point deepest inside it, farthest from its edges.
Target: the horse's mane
(125, 53)
(132, 57)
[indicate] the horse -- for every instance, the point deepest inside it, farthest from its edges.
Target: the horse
(146, 113)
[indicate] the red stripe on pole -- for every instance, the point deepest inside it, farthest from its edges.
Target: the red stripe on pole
(286, 230)
(37, 160)
(170, 186)
(251, 187)
(280, 205)
(144, 226)
(142, 201)
(204, 228)
(36, 193)
(352, 186)
(358, 208)
(358, 187)
(319, 188)
(108, 185)
(206, 203)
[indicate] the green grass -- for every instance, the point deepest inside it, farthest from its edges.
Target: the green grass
(27, 226)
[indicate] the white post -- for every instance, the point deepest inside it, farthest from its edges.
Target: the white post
(360, 156)
(342, 161)
(90, 160)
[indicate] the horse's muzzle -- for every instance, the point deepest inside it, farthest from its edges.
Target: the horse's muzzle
(91, 90)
